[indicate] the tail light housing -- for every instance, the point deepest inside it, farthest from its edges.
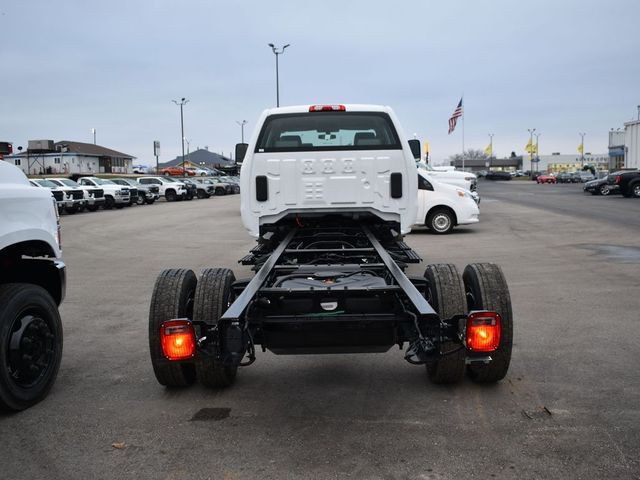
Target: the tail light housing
(618, 179)
(178, 339)
(483, 331)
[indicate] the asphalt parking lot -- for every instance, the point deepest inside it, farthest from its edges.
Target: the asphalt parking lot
(568, 408)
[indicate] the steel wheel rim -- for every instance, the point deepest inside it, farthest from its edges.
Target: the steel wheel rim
(636, 190)
(31, 350)
(441, 222)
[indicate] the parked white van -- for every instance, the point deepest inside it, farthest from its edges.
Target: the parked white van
(442, 207)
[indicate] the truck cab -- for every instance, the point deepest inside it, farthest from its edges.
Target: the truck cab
(350, 160)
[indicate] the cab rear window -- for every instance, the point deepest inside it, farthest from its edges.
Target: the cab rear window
(322, 131)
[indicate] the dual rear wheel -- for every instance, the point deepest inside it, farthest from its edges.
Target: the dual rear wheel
(179, 294)
(482, 286)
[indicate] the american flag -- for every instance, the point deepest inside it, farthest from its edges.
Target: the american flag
(457, 113)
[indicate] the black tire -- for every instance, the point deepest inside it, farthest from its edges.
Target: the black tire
(220, 191)
(109, 202)
(213, 297)
(172, 298)
(120, 206)
(440, 221)
(487, 289)
(150, 201)
(141, 199)
(604, 190)
(635, 189)
(202, 194)
(71, 210)
(170, 195)
(445, 293)
(30, 345)
(92, 208)
(189, 195)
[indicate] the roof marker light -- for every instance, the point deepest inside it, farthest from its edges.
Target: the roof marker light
(327, 108)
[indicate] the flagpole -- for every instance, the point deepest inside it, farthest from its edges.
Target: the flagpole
(462, 132)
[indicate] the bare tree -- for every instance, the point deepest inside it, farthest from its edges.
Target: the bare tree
(471, 154)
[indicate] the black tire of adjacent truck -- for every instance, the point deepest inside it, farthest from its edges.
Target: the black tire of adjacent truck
(213, 297)
(141, 199)
(30, 345)
(109, 202)
(635, 189)
(172, 298)
(170, 196)
(487, 289)
(445, 293)
(440, 221)
(150, 201)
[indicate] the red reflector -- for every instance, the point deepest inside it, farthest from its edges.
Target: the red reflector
(327, 108)
(178, 339)
(483, 331)
(618, 179)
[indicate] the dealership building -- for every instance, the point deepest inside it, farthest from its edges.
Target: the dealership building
(46, 157)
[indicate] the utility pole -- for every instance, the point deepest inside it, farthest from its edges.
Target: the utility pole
(182, 103)
(93, 130)
(277, 52)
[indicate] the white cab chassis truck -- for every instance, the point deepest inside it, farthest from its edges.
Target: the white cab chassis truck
(329, 192)
(32, 286)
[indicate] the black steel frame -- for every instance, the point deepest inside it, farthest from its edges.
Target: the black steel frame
(349, 247)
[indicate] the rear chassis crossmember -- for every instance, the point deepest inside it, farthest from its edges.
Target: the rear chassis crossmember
(330, 317)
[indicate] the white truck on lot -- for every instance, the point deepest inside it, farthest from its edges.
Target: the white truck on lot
(93, 197)
(329, 192)
(466, 180)
(32, 286)
(169, 188)
(114, 195)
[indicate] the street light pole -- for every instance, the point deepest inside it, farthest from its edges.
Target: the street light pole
(182, 103)
(488, 165)
(531, 131)
(537, 152)
(277, 52)
(93, 130)
(242, 124)
(582, 149)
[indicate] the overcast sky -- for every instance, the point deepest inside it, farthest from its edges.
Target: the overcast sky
(561, 67)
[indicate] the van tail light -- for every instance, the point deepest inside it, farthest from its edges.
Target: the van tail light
(618, 179)
(178, 339)
(483, 331)
(327, 108)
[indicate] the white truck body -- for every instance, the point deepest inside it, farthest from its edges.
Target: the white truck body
(337, 160)
(26, 213)
(165, 184)
(113, 192)
(92, 196)
(465, 180)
